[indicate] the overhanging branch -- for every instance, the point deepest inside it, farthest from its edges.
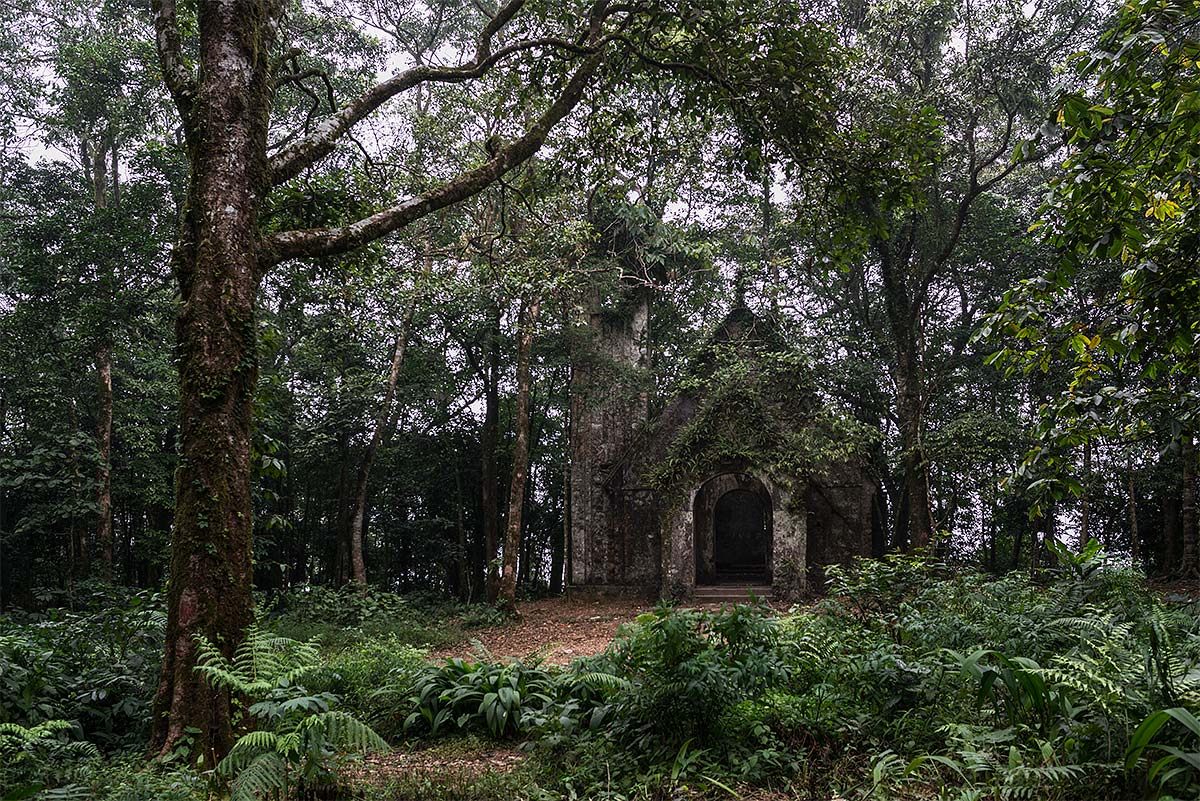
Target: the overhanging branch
(333, 241)
(296, 157)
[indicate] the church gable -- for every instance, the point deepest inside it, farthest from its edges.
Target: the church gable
(719, 483)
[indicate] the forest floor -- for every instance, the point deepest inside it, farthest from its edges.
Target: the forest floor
(559, 629)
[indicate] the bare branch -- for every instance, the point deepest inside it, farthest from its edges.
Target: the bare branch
(290, 162)
(332, 241)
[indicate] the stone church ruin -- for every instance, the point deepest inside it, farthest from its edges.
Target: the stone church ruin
(744, 479)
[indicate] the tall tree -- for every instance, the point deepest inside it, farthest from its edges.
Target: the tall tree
(225, 104)
(383, 424)
(930, 146)
(1122, 208)
(507, 594)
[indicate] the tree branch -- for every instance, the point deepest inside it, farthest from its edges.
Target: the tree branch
(332, 241)
(177, 76)
(291, 161)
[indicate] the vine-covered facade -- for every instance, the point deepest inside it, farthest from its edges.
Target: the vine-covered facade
(743, 478)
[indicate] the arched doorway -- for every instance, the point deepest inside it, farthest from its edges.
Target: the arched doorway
(733, 522)
(740, 538)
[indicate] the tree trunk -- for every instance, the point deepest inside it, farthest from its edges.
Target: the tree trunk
(219, 259)
(558, 545)
(1189, 561)
(488, 440)
(77, 541)
(1084, 505)
(916, 473)
(1135, 540)
(462, 570)
(383, 421)
(770, 266)
(216, 264)
(95, 157)
(104, 525)
(903, 311)
(520, 469)
(341, 514)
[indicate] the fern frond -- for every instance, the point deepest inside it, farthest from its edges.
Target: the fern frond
(346, 732)
(265, 774)
(262, 662)
(245, 750)
(481, 650)
(604, 681)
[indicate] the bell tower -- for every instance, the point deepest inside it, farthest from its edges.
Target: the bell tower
(610, 553)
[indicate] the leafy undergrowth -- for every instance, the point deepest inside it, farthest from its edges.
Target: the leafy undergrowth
(911, 680)
(347, 617)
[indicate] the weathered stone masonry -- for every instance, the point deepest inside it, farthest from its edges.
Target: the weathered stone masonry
(734, 514)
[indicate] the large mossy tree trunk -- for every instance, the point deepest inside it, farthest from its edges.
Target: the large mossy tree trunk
(904, 309)
(216, 264)
(219, 260)
(915, 469)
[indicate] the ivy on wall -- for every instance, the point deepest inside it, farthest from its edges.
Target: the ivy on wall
(755, 405)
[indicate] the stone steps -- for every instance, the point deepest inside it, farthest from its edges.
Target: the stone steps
(731, 593)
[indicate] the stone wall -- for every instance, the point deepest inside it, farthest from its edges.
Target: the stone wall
(840, 516)
(614, 541)
(688, 524)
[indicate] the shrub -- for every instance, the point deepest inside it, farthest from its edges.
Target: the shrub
(502, 700)
(359, 674)
(94, 667)
(40, 756)
(349, 616)
(685, 669)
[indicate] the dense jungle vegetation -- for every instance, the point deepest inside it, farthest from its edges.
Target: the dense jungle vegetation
(292, 294)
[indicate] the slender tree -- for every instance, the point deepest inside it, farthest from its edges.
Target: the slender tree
(520, 470)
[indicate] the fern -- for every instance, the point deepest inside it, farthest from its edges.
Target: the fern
(604, 681)
(43, 740)
(298, 736)
(265, 773)
(262, 662)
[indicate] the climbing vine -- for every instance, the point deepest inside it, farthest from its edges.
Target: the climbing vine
(756, 406)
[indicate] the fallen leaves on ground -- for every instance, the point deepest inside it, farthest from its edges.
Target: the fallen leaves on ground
(561, 629)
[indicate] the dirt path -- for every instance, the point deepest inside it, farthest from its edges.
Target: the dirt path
(567, 628)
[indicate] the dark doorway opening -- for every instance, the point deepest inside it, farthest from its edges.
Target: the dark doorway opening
(741, 534)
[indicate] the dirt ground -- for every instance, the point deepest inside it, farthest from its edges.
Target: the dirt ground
(558, 628)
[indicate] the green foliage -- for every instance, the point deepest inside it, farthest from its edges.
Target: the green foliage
(502, 700)
(358, 672)
(96, 667)
(296, 739)
(39, 756)
(1121, 211)
(68, 773)
(347, 616)
(757, 405)
(685, 670)
(1177, 767)
(910, 675)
